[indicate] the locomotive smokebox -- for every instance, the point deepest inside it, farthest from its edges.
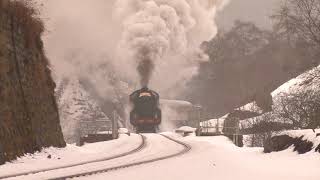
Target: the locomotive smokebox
(145, 115)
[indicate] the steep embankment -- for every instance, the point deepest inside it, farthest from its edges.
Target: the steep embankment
(29, 118)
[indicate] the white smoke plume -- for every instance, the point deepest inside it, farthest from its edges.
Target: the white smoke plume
(80, 39)
(162, 37)
(105, 40)
(163, 34)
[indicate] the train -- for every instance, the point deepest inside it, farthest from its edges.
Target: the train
(145, 115)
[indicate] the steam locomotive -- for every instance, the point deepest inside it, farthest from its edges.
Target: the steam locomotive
(146, 114)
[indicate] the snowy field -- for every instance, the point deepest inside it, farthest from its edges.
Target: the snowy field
(210, 158)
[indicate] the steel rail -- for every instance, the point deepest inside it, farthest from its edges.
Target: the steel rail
(139, 148)
(186, 149)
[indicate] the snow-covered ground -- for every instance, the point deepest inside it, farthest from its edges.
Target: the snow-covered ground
(209, 158)
(217, 158)
(71, 155)
(157, 146)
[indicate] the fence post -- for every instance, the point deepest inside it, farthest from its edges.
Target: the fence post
(78, 134)
(217, 127)
(236, 135)
(114, 126)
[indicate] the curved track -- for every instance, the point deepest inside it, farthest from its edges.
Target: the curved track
(139, 148)
(185, 149)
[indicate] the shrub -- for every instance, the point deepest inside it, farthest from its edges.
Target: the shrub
(301, 108)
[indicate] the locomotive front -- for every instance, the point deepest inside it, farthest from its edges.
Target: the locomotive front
(146, 114)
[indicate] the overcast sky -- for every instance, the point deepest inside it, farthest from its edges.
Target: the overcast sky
(257, 11)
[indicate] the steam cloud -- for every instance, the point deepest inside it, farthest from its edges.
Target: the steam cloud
(164, 36)
(150, 42)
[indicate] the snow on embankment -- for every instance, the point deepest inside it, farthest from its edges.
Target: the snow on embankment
(302, 141)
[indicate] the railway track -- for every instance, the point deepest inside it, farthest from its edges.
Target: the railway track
(142, 145)
(139, 148)
(186, 148)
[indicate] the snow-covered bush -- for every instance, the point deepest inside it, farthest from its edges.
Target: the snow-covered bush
(300, 105)
(302, 141)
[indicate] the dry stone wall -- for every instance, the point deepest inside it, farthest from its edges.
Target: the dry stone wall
(29, 118)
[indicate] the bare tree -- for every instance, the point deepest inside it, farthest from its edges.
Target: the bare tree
(300, 18)
(301, 109)
(243, 39)
(260, 128)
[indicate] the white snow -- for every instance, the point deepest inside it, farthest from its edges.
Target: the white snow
(209, 158)
(76, 105)
(217, 158)
(297, 83)
(71, 155)
(123, 131)
(186, 129)
(157, 146)
(179, 103)
(286, 86)
(307, 134)
(253, 107)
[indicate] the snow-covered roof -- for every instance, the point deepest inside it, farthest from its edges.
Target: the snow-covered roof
(186, 129)
(251, 107)
(175, 102)
(300, 82)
